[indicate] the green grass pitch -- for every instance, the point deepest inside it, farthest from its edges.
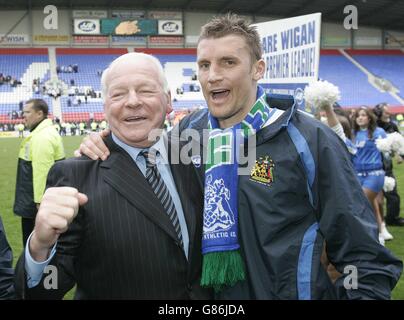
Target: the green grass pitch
(8, 167)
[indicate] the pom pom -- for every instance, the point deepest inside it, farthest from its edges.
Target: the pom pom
(389, 184)
(383, 145)
(393, 143)
(397, 143)
(321, 93)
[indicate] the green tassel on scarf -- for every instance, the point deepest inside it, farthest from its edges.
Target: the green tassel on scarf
(222, 269)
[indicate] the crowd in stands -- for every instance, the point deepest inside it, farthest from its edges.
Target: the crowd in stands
(64, 128)
(12, 81)
(76, 92)
(71, 68)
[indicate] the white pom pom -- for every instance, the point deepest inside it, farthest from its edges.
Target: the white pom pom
(319, 93)
(397, 142)
(389, 184)
(383, 145)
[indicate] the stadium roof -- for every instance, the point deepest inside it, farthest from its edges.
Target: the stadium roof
(387, 14)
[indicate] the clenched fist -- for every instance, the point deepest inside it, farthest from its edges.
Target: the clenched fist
(58, 208)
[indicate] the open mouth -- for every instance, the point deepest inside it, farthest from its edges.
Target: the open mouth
(134, 119)
(219, 94)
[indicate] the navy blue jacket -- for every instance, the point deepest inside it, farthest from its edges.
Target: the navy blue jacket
(308, 196)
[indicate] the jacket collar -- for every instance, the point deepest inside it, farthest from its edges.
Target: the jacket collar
(43, 124)
(281, 123)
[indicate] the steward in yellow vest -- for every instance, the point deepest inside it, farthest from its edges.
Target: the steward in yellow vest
(38, 152)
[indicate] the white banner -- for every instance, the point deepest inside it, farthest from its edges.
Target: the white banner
(89, 14)
(86, 26)
(167, 27)
(291, 53)
(291, 49)
(14, 38)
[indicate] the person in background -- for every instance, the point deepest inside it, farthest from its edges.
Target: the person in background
(367, 161)
(393, 218)
(38, 152)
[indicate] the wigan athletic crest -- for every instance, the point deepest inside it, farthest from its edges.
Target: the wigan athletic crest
(218, 214)
(263, 170)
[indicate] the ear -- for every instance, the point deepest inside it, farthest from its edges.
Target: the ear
(259, 69)
(169, 103)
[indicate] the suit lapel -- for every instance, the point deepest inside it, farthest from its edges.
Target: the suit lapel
(122, 174)
(186, 183)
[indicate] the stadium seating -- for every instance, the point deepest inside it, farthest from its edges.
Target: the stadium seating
(180, 69)
(389, 66)
(352, 82)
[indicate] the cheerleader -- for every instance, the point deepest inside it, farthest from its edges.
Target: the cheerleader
(368, 161)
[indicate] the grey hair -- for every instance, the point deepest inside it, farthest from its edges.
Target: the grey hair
(130, 57)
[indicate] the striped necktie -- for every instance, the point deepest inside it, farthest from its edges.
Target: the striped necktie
(161, 191)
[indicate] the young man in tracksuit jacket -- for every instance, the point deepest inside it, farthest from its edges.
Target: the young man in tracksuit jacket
(313, 198)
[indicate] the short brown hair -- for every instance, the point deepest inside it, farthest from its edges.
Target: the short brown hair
(39, 105)
(232, 24)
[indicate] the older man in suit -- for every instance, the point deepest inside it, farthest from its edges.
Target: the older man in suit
(128, 227)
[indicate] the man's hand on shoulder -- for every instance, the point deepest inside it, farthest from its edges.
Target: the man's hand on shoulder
(93, 146)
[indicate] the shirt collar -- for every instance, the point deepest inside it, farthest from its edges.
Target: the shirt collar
(134, 151)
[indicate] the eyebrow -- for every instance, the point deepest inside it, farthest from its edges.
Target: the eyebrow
(202, 60)
(230, 57)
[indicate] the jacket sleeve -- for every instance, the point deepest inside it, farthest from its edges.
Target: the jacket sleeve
(348, 224)
(66, 251)
(6, 270)
(43, 155)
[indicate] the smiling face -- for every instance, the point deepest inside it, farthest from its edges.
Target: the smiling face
(228, 77)
(135, 101)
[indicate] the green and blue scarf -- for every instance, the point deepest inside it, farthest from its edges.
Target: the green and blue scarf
(222, 262)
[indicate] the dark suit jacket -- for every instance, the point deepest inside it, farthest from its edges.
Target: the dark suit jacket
(122, 244)
(6, 267)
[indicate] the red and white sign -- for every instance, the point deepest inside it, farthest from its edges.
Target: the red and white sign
(166, 40)
(90, 39)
